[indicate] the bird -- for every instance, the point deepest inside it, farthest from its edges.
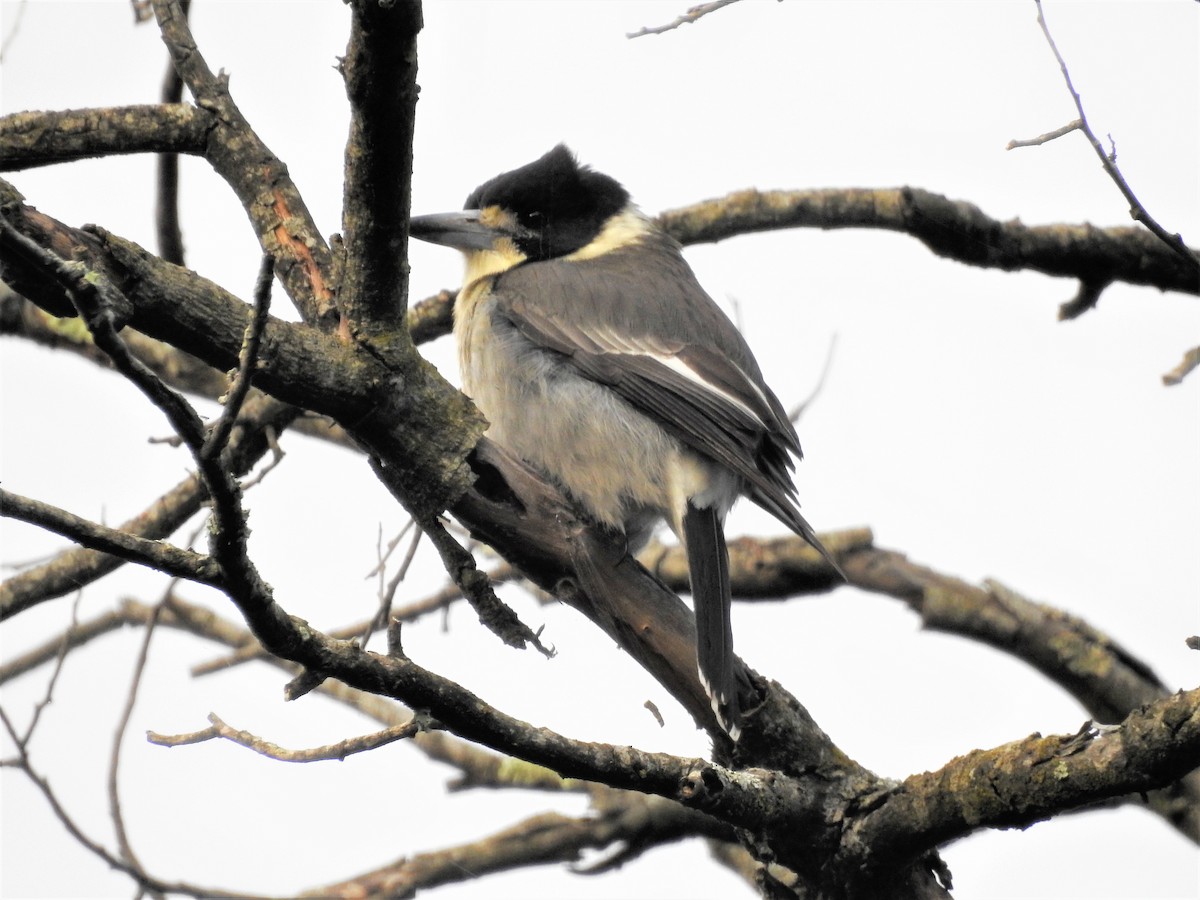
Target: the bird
(589, 345)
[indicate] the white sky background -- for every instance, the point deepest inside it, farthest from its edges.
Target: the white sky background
(964, 424)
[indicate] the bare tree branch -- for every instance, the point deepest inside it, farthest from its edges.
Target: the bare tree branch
(98, 303)
(155, 554)
(1109, 160)
(1047, 137)
(493, 612)
(80, 566)
(218, 434)
(1067, 745)
(427, 466)
(410, 612)
(338, 751)
(58, 653)
(39, 138)
(432, 317)
(793, 775)
(114, 762)
(179, 369)
(1191, 359)
(380, 69)
(281, 220)
(387, 588)
(1108, 681)
(1026, 781)
(143, 879)
(166, 206)
(693, 782)
(692, 15)
(954, 229)
(635, 822)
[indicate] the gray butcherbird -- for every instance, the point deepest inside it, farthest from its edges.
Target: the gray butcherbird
(596, 356)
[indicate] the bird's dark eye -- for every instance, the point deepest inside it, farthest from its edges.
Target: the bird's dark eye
(534, 220)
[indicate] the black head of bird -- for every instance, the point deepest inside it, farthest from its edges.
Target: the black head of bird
(548, 208)
(595, 354)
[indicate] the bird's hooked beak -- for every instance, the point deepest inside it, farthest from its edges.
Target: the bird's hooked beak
(471, 229)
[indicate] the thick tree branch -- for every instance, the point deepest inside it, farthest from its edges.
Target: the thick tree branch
(787, 805)
(32, 139)
(432, 317)
(954, 229)
(166, 203)
(1108, 681)
(1010, 760)
(277, 212)
(100, 305)
(380, 69)
(1024, 782)
(765, 569)
(158, 555)
(743, 798)
(425, 465)
(177, 368)
(631, 821)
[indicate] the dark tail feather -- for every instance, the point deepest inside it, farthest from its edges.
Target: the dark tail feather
(787, 513)
(708, 566)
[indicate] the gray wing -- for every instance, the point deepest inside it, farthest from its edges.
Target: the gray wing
(685, 366)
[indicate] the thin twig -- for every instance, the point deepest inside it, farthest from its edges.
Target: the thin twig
(64, 648)
(13, 28)
(1109, 159)
(143, 879)
(1191, 359)
(387, 592)
(218, 435)
(382, 555)
(272, 440)
(1045, 138)
(411, 612)
(339, 751)
(79, 566)
(1085, 298)
(495, 615)
(114, 763)
(692, 15)
(798, 410)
